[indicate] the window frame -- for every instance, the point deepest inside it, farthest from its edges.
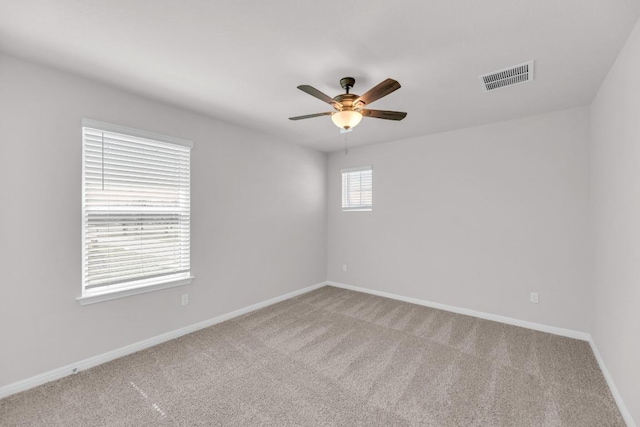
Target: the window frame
(352, 207)
(136, 286)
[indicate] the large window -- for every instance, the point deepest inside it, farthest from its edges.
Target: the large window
(357, 189)
(135, 211)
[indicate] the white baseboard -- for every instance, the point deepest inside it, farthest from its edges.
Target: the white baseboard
(624, 411)
(140, 345)
(488, 316)
(511, 321)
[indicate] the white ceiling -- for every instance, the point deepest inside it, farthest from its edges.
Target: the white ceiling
(240, 61)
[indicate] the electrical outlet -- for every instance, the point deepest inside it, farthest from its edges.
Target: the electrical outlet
(344, 267)
(185, 299)
(533, 297)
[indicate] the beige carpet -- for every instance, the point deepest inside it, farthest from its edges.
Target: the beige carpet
(336, 357)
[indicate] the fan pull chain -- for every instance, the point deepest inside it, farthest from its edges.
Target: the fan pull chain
(346, 143)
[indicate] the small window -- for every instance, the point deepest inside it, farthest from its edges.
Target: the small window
(357, 189)
(136, 211)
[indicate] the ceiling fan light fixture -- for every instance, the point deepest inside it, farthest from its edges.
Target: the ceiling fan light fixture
(349, 107)
(346, 119)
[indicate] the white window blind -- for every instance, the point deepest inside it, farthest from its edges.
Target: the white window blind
(136, 209)
(357, 189)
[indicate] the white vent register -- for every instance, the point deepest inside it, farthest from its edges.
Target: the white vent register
(510, 76)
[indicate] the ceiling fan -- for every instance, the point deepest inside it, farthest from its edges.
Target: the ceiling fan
(349, 107)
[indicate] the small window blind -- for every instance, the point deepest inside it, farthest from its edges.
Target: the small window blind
(357, 189)
(136, 208)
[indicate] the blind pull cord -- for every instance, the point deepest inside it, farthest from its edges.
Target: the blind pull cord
(102, 161)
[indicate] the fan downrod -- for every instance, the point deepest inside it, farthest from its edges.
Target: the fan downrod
(347, 83)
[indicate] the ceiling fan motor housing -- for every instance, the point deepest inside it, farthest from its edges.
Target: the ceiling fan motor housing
(346, 99)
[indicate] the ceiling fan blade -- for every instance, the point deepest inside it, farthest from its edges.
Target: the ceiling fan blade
(382, 114)
(377, 92)
(321, 96)
(308, 116)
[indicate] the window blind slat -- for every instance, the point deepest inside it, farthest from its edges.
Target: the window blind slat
(95, 153)
(130, 259)
(133, 141)
(132, 268)
(142, 274)
(96, 169)
(91, 194)
(111, 182)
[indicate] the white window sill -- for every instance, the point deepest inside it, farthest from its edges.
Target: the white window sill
(115, 294)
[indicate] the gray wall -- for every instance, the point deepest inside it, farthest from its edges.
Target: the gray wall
(475, 218)
(258, 224)
(615, 182)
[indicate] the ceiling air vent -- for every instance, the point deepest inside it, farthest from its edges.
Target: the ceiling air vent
(517, 74)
